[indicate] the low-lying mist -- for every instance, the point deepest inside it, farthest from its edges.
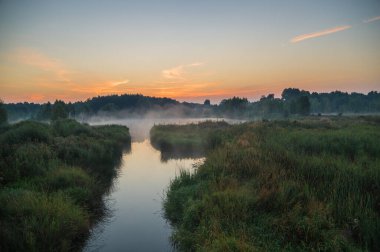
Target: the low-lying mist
(139, 127)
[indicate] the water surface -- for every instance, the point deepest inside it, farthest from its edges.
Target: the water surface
(136, 203)
(136, 222)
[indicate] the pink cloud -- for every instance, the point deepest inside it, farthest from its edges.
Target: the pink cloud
(302, 37)
(372, 19)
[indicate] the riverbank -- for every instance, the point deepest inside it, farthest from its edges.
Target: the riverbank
(310, 184)
(53, 177)
(186, 141)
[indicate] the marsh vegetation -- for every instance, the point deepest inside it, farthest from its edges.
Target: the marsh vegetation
(305, 184)
(311, 184)
(184, 141)
(53, 177)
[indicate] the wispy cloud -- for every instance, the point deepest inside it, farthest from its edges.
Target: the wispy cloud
(32, 57)
(58, 81)
(119, 83)
(174, 72)
(196, 64)
(178, 72)
(302, 37)
(372, 20)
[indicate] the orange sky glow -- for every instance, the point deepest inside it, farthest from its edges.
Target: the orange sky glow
(184, 51)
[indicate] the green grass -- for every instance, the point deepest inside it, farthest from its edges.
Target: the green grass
(35, 221)
(52, 178)
(184, 141)
(312, 184)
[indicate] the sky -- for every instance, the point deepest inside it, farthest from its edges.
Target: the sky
(186, 50)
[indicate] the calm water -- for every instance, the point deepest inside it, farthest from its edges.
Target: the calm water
(136, 222)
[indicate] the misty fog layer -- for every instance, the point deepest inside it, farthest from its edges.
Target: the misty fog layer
(140, 127)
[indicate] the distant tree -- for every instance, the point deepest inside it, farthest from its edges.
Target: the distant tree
(21, 111)
(234, 103)
(268, 105)
(45, 112)
(293, 93)
(267, 98)
(290, 93)
(59, 110)
(3, 113)
(303, 105)
(235, 106)
(207, 102)
(110, 107)
(70, 109)
(127, 101)
(300, 106)
(82, 108)
(270, 97)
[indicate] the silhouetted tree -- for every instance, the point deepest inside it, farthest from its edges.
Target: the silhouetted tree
(303, 105)
(290, 103)
(109, 107)
(3, 113)
(59, 110)
(270, 97)
(293, 93)
(235, 106)
(45, 112)
(234, 103)
(300, 105)
(207, 102)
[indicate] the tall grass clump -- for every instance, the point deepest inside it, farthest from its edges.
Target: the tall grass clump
(34, 221)
(306, 185)
(52, 178)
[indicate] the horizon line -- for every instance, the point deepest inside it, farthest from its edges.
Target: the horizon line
(181, 99)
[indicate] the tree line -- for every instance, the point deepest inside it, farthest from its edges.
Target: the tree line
(293, 101)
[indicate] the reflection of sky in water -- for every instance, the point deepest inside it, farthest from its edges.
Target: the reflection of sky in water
(136, 203)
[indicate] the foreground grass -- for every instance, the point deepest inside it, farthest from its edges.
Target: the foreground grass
(311, 184)
(52, 178)
(184, 141)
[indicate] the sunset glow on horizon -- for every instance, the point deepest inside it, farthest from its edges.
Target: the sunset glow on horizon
(186, 50)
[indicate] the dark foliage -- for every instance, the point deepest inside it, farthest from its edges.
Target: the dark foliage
(52, 178)
(59, 110)
(293, 101)
(3, 114)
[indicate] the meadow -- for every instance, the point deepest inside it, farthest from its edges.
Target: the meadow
(52, 178)
(310, 184)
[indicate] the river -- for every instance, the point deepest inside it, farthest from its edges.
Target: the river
(136, 222)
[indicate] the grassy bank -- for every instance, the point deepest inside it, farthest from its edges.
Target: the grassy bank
(52, 177)
(312, 184)
(185, 141)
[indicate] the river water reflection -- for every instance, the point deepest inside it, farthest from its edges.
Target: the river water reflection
(136, 221)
